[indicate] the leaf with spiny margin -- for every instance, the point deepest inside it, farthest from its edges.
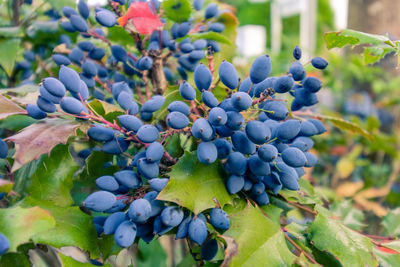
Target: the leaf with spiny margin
(375, 53)
(259, 239)
(177, 10)
(8, 54)
(381, 45)
(8, 108)
(352, 37)
(72, 228)
(346, 245)
(40, 138)
(346, 125)
(196, 186)
(52, 181)
(391, 222)
(20, 225)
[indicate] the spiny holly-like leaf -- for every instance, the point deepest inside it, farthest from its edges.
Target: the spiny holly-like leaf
(40, 138)
(8, 108)
(144, 21)
(346, 125)
(211, 36)
(8, 54)
(391, 222)
(72, 228)
(347, 246)
(382, 45)
(259, 239)
(352, 37)
(177, 10)
(52, 180)
(196, 186)
(376, 53)
(19, 225)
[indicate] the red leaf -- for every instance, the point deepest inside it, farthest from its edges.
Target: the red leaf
(40, 138)
(387, 250)
(143, 19)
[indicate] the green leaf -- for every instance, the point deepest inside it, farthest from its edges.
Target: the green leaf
(8, 54)
(351, 217)
(346, 125)
(211, 36)
(5, 186)
(351, 37)
(70, 262)
(8, 108)
(45, 27)
(177, 10)
(170, 95)
(26, 88)
(7, 32)
(19, 224)
(381, 45)
(16, 123)
(346, 245)
(59, 4)
(376, 53)
(391, 222)
(52, 181)
(103, 107)
(119, 35)
(306, 194)
(73, 228)
(15, 259)
(387, 259)
(195, 185)
(258, 238)
(151, 254)
(41, 137)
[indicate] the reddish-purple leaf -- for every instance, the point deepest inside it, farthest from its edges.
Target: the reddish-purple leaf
(40, 138)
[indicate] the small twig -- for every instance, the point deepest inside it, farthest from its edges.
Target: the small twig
(291, 241)
(44, 66)
(307, 209)
(214, 85)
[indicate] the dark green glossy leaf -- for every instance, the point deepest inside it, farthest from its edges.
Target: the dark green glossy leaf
(196, 186)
